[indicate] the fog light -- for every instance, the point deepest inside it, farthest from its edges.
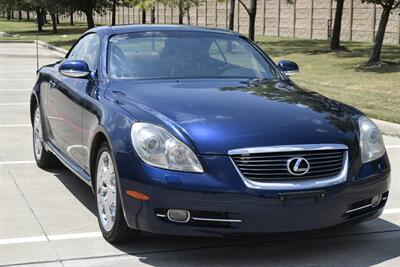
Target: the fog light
(179, 216)
(376, 200)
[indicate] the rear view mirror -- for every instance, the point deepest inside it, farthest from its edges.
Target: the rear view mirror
(74, 69)
(288, 67)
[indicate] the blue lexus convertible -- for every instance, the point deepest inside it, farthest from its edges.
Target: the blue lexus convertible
(193, 131)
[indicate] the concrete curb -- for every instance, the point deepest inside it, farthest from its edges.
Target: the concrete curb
(52, 47)
(41, 43)
(388, 128)
(16, 41)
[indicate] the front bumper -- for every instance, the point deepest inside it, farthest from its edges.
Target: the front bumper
(258, 214)
(259, 211)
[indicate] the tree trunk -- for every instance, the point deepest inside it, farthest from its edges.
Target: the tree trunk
(12, 14)
(71, 14)
(113, 12)
(58, 18)
(44, 12)
(54, 21)
(19, 14)
(232, 14)
(39, 19)
(153, 15)
(180, 21)
(71, 17)
(8, 15)
(89, 16)
(252, 18)
(335, 39)
(28, 16)
(143, 16)
(376, 50)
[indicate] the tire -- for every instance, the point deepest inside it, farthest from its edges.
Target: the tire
(43, 158)
(109, 208)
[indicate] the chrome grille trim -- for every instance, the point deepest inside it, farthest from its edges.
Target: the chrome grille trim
(317, 181)
(288, 148)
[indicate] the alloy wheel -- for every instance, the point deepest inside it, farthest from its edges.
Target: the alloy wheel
(37, 135)
(106, 191)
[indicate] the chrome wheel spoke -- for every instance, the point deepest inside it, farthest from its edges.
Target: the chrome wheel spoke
(106, 191)
(37, 135)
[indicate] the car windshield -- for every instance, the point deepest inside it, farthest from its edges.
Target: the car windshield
(181, 54)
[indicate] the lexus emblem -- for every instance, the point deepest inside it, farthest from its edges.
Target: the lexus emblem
(298, 166)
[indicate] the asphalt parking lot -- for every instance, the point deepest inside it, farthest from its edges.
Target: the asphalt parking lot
(47, 218)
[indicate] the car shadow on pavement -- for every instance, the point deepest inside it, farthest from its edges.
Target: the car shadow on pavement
(78, 188)
(365, 244)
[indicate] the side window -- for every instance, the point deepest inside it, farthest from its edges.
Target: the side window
(238, 54)
(87, 49)
(215, 52)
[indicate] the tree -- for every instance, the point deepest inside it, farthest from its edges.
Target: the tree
(335, 39)
(183, 6)
(87, 8)
(143, 5)
(388, 6)
(8, 6)
(251, 11)
(252, 18)
(71, 12)
(113, 11)
(153, 14)
(39, 19)
(53, 7)
(231, 14)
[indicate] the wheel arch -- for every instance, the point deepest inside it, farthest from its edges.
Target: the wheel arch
(33, 104)
(99, 138)
(101, 135)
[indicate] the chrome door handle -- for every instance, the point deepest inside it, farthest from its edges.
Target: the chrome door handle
(52, 84)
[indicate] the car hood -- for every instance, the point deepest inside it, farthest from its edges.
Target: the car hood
(215, 116)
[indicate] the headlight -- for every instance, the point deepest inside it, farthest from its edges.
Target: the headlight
(371, 141)
(158, 148)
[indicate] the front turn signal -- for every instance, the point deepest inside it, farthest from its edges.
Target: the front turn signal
(137, 195)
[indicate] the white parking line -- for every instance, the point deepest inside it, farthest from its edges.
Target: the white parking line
(15, 90)
(74, 236)
(19, 71)
(393, 146)
(20, 240)
(391, 211)
(17, 79)
(14, 104)
(17, 162)
(42, 238)
(15, 125)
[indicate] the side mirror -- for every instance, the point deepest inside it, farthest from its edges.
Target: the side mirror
(288, 67)
(74, 69)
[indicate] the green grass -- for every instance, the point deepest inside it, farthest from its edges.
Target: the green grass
(26, 30)
(374, 91)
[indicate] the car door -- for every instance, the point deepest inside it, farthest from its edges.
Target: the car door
(67, 98)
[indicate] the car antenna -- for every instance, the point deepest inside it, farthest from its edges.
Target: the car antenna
(36, 37)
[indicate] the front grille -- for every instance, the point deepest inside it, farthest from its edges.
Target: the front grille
(273, 165)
